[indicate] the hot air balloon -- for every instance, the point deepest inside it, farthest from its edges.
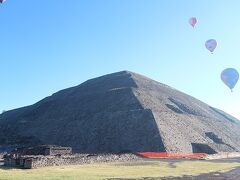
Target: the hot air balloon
(230, 77)
(211, 44)
(2, 1)
(192, 21)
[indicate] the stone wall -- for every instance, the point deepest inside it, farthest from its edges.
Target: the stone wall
(59, 150)
(30, 162)
(1, 155)
(11, 162)
(42, 150)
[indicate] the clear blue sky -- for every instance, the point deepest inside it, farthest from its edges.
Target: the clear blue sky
(49, 45)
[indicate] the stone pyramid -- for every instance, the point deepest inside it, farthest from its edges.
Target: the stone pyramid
(122, 112)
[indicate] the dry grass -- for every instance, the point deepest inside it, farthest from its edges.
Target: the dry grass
(117, 170)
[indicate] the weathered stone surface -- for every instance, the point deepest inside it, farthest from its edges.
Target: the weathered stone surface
(30, 162)
(121, 112)
(42, 150)
(2, 155)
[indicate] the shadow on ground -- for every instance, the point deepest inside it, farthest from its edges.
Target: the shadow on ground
(231, 175)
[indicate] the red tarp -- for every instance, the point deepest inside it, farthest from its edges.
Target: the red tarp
(171, 155)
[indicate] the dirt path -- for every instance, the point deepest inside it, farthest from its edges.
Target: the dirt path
(231, 175)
